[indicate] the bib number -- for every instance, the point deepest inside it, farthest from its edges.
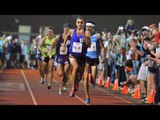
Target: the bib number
(63, 52)
(92, 48)
(77, 47)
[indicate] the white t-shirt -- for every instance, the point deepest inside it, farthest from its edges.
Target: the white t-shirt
(158, 49)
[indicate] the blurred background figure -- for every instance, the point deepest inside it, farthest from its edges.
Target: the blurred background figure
(130, 25)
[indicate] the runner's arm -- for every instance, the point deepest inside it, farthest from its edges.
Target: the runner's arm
(101, 47)
(87, 38)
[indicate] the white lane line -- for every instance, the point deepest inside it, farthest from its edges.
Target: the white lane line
(29, 88)
(75, 95)
(114, 96)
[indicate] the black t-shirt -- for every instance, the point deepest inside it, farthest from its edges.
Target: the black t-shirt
(61, 40)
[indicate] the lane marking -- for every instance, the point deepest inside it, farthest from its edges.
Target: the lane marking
(35, 103)
(12, 86)
(29, 88)
(75, 95)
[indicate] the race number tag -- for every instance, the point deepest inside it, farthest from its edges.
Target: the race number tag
(48, 48)
(92, 48)
(81, 40)
(77, 47)
(63, 52)
(68, 42)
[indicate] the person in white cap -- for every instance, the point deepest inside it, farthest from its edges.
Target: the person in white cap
(92, 57)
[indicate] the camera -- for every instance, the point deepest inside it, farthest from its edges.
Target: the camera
(144, 60)
(121, 27)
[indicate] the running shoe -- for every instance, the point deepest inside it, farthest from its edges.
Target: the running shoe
(60, 91)
(49, 86)
(72, 93)
(88, 100)
(41, 81)
(93, 83)
(65, 89)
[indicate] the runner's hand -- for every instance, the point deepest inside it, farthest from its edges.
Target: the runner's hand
(103, 59)
(88, 33)
(63, 48)
(50, 56)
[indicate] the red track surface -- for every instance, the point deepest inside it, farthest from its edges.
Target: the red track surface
(38, 94)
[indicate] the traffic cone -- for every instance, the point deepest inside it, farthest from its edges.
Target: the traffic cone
(124, 90)
(97, 80)
(107, 85)
(151, 97)
(137, 92)
(100, 82)
(115, 85)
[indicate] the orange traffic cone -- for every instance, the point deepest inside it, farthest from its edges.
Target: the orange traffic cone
(115, 86)
(151, 97)
(124, 90)
(100, 82)
(107, 85)
(97, 80)
(137, 92)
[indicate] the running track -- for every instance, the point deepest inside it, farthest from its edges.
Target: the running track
(21, 87)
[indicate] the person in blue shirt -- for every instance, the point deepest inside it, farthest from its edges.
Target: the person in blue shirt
(92, 57)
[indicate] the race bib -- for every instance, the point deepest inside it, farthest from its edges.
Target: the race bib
(63, 52)
(81, 40)
(48, 48)
(92, 48)
(68, 42)
(77, 47)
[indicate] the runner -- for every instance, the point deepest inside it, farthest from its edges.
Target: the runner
(48, 54)
(38, 40)
(92, 57)
(62, 59)
(78, 46)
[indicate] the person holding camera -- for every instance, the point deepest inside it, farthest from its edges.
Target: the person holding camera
(130, 25)
(143, 71)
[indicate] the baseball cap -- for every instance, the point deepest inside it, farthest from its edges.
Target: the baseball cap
(146, 28)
